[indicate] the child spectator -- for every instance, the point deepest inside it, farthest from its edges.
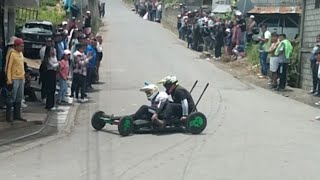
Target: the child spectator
(63, 76)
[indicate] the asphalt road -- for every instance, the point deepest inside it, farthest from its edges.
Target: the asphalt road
(252, 133)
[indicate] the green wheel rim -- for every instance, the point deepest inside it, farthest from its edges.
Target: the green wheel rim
(126, 124)
(197, 122)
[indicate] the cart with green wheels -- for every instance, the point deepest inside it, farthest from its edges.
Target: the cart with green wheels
(195, 123)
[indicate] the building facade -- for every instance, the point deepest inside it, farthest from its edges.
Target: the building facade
(310, 28)
(7, 16)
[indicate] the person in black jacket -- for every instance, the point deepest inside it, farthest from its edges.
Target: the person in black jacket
(182, 104)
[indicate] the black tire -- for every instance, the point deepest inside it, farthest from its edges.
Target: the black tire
(125, 126)
(96, 121)
(196, 123)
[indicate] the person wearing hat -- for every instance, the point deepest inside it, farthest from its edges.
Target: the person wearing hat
(63, 76)
(15, 80)
(252, 24)
(43, 68)
(87, 24)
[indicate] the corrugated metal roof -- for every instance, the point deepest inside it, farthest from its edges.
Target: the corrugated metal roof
(276, 10)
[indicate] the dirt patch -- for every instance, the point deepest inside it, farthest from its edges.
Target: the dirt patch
(245, 72)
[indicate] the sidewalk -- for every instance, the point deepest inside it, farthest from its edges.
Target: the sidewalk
(38, 119)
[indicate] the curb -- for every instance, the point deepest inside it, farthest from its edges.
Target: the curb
(67, 129)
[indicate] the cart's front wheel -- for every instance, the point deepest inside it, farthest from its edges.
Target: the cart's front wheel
(196, 123)
(96, 121)
(125, 126)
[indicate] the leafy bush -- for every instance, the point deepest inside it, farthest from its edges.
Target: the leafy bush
(293, 69)
(52, 14)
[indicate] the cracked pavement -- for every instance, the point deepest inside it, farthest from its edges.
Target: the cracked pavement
(252, 133)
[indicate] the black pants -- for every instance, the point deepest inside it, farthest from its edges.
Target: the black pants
(217, 51)
(282, 71)
(43, 87)
(51, 81)
(80, 85)
(144, 113)
(315, 79)
(89, 77)
(174, 110)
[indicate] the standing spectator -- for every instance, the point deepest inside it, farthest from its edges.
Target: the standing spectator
(274, 60)
(227, 42)
(251, 25)
(265, 42)
(15, 80)
(1, 53)
(99, 54)
(242, 24)
(63, 76)
(59, 44)
(314, 68)
(219, 41)
(87, 24)
(159, 12)
(283, 51)
(72, 25)
(236, 35)
(80, 71)
(51, 64)
(43, 68)
(91, 49)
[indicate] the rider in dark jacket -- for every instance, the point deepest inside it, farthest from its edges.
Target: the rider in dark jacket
(182, 104)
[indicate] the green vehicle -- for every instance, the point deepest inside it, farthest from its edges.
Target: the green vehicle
(195, 123)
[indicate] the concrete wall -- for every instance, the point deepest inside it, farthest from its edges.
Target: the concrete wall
(310, 30)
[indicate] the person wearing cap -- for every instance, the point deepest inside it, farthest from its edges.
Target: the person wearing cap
(63, 76)
(252, 24)
(243, 26)
(87, 24)
(15, 80)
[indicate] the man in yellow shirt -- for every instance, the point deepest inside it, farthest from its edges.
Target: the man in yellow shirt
(15, 80)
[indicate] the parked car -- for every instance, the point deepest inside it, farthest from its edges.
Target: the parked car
(34, 34)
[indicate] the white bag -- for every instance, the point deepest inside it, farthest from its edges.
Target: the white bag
(145, 16)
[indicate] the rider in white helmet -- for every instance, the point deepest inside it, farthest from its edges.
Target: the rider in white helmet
(157, 100)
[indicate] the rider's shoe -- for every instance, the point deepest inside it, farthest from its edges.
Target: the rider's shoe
(160, 123)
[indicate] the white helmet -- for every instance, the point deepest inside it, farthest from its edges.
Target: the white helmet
(151, 90)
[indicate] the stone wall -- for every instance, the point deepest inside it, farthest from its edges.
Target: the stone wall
(169, 19)
(310, 30)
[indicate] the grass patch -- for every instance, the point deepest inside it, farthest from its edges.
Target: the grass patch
(253, 54)
(51, 3)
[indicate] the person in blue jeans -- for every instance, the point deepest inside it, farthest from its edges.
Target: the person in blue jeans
(63, 76)
(265, 43)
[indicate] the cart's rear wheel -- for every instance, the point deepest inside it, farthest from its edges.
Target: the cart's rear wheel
(196, 122)
(125, 126)
(96, 121)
